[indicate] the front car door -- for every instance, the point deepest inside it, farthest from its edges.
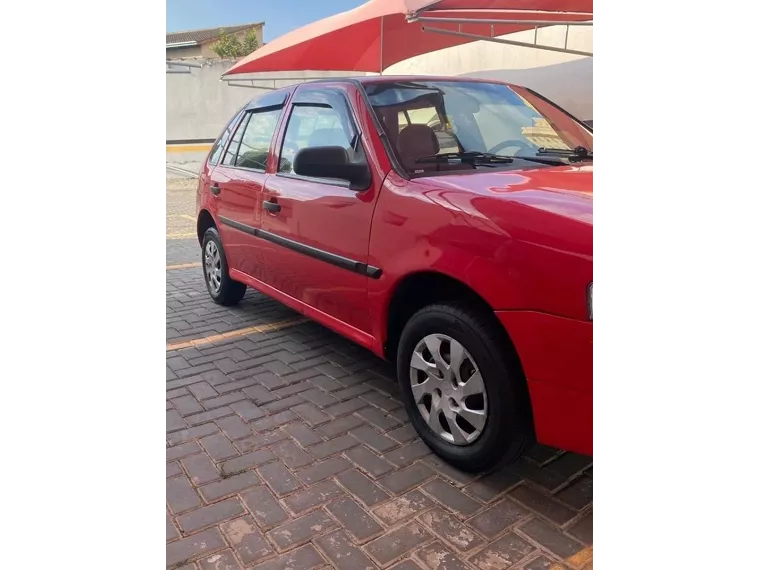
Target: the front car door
(238, 181)
(318, 229)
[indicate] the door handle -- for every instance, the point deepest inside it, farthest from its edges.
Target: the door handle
(272, 207)
(215, 190)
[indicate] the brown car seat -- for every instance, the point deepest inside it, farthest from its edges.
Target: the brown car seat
(418, 141)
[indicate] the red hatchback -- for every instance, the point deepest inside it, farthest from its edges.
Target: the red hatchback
(445, 224)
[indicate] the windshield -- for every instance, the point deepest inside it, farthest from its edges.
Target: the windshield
(448, 120)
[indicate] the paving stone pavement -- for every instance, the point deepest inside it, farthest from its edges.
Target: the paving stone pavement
(290, 448)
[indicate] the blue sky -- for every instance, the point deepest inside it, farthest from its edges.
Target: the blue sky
(281, 16)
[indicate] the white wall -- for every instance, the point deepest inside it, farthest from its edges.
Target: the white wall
(199, 105)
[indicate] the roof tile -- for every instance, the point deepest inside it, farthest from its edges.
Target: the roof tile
(207, 34)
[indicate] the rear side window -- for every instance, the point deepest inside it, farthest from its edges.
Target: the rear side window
(231, 155)
(218, 147)
(256, 140)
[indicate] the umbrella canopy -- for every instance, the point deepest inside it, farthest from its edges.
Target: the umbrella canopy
(380, 33)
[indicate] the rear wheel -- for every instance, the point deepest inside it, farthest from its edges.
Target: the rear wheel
(222, 288)
(463, 388)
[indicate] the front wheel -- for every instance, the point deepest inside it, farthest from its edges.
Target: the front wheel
(463, 388)
(222, 288)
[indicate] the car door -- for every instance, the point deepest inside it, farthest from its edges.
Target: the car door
(237, 184)
(318, 229)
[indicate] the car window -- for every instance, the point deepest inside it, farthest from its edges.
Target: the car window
(215, 154)
(479, 117)
(496, 122)
(556, 124)
(430, 117)
(314, 125)
(256, 140)
(234, 145)
(213, 157)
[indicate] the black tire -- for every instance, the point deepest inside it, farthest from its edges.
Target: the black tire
(231, 292)
(508, 431)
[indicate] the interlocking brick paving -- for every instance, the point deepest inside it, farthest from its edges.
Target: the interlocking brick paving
(290, 448)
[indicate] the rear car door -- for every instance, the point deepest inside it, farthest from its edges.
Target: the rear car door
(317, 230)
(237, 183)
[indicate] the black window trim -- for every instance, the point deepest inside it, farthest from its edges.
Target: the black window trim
(231, 126)
(327, 181)
(357, 136)
(399, 170)
(242, 124)
(268, 100)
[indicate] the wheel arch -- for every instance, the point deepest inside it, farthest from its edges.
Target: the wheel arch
(205, 221)
(420, 289)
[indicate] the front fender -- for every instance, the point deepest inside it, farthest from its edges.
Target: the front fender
(412, 233)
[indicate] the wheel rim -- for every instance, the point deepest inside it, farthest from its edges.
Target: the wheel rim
(448, 389)
(212, 261)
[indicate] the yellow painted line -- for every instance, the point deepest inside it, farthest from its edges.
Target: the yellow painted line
(234, 334)
(182, 236)
(188, 147)
(183, 266)
(581, 557)
(187, 217)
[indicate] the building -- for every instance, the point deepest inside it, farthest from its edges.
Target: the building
(541, 134)
(197, 43)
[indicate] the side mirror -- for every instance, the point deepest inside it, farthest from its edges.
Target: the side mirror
(331, 162)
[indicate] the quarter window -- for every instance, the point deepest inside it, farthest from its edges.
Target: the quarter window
(234, 145)
(218, 147)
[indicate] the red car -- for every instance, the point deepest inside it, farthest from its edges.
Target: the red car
(444, 224)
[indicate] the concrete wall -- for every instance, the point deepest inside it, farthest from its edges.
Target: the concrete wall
(184, 52)
(199, 105)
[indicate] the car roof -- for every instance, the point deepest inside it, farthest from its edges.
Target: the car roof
(277, 96)
(408, 78)
(373, 79)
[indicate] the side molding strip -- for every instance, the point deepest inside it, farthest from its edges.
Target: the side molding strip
(320, 254)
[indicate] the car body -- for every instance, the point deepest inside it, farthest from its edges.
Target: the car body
(365, 253)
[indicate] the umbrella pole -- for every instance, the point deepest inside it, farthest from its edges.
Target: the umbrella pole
(382, 43)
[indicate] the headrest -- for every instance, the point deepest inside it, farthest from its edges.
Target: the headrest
(417, 141)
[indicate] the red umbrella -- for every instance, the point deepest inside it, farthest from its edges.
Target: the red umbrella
(381, 33)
